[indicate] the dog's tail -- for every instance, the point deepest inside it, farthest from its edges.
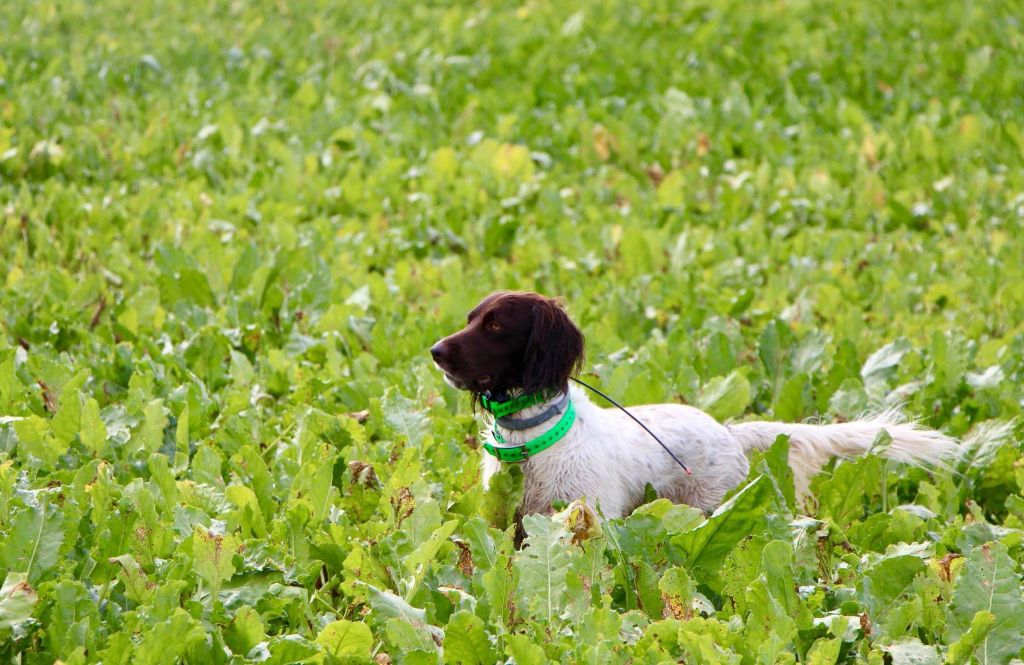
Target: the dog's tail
(811, 446)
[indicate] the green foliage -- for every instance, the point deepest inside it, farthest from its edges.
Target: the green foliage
(229, 232)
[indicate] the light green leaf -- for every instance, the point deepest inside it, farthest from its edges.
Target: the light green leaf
(705, 547)
(345, 638)
(466, 642)
(543, 565)
(912, 652)
(402, 415)
(17, 602)
(960, 652)
(429, 548)
(94, 431)
(151, 434)
(212, 556)
(245, 631)
(727, 397)
(524, 651)
(33, 542)
(988, 582)
(882, 364)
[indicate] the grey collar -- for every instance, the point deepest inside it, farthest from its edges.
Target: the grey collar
(526, 423)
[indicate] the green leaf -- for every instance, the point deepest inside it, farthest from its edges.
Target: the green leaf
(137, 586)
(245, 631)
(503, 496)
(401, 415)
(387, 606)
(725, 398)
(543, 565)
(524, 651)
(94, 431)
(881, 365)
(345, 638)
(212, 556)
(466, 642)
(824, 651)
(974, 637)
(17, 602)
(888, 577)
(794, 401)
(706, 547)
(427, 550)
(501, 584)
(677, 592)
(151, 434)
(168, 640)
(33, 542)
(988, 582)
(288, 649)
(34, 438)
(775, 339)
(912, 652)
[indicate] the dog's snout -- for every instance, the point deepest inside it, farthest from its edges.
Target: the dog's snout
(439, 351)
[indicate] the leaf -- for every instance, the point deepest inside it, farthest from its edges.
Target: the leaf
(466, 642)
(284, 650)
(882, 364)
(912, 652)
(245, 631)
(212, 556)
(503, 496)
(34, 438)
(889, 577)
(427, 550)
(501, 586)
(387, 605)
(705, 548)
(727, 397)
(32, 544)
(168, 640)
(151, 434)
(345, 638)
(543, 566)
(988, 582)
(774, 463)
(524, 651)
(17, 602)
(775, 339)
(794, 400)
(137, 586)
(401, 415)
(93, 431)
(824, 651)
(842, 496)
(677, 592)
(961, 651)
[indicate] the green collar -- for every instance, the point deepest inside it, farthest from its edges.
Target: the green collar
(503, 408)
(524, 451)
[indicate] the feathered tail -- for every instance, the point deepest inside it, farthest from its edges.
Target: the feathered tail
(811, 446)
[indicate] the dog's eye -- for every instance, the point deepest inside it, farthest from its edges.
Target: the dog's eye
(494, 326)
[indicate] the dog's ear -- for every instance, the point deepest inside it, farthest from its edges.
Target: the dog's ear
(554, 351)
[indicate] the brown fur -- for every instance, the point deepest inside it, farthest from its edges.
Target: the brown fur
(513, 341)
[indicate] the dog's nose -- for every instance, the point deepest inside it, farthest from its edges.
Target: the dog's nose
(439, 351)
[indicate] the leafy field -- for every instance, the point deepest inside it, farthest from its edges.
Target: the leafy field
(230, 231)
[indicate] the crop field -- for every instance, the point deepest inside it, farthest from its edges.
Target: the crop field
(230, 232)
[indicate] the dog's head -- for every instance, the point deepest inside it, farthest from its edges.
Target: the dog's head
(512, 340)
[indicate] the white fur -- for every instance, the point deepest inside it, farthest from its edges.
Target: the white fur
(609, 459)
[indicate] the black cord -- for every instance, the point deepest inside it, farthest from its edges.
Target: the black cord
(586, 385)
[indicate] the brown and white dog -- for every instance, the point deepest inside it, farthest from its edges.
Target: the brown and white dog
(517, 343)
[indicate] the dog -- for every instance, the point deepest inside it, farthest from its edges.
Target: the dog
(516, 355)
